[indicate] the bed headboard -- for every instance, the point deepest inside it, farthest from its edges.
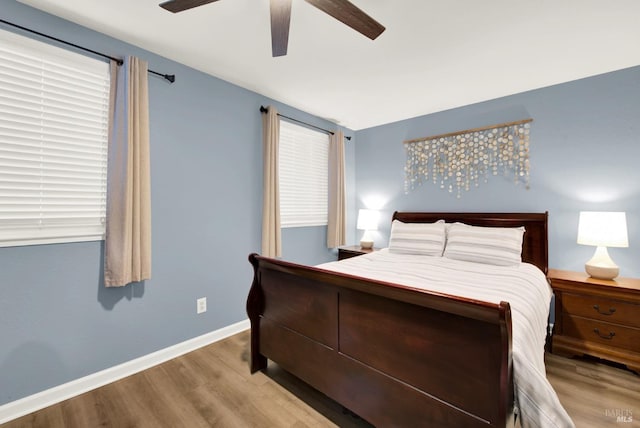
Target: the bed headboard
(535, 244)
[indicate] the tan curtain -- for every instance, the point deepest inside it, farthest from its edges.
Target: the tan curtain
(271, 239)
(336, 227)
(128, 224)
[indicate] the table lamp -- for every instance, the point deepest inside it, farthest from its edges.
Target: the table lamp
(367, 221)
(602, 229)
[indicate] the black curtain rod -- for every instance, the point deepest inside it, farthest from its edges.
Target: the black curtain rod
(264, 109)
(170, 77)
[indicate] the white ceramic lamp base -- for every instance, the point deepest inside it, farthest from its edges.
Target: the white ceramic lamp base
(601, 266)
(367, 241)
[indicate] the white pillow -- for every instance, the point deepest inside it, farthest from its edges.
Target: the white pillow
(500, 246)
(417, 238)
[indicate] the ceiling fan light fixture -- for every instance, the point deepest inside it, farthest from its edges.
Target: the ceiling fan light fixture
(342, 10)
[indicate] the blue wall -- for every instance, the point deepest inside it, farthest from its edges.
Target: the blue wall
(585, 153)
(59, 323)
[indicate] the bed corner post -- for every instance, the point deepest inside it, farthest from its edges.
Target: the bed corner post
(255, 304)
(506, 371)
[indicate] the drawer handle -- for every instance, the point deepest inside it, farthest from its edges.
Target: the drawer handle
(611, 310)
(609, 337)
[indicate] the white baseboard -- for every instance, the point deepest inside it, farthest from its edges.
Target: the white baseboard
(40, 400)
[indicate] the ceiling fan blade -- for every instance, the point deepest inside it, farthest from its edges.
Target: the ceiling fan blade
(349, 14)
(180, 5)
(280, 18)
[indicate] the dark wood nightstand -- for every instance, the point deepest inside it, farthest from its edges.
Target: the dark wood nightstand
(353, 250)
(597, 317)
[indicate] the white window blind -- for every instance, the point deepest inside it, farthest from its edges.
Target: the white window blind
(54, 117)
(303, 165)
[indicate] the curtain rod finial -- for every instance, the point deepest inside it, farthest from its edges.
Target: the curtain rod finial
(263, 109)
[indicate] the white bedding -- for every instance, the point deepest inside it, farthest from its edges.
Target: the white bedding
(524, 286)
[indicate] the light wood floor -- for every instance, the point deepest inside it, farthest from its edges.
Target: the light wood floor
(212, 387)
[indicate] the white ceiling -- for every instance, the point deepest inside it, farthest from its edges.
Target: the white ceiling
(434, 55)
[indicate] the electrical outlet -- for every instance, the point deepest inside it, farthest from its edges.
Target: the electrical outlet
(201, 305)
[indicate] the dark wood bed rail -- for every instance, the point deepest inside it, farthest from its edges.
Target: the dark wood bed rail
(329, 329)
(470, 308)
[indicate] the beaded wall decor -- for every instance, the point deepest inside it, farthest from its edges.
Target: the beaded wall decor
(459, 160)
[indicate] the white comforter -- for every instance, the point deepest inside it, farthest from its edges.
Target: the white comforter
(524, 287)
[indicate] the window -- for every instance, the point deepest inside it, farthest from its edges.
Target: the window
(54, 114)
(303, 165)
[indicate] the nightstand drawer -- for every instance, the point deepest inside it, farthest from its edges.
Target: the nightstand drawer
(600, 308)
(597, 317)
(602, 332)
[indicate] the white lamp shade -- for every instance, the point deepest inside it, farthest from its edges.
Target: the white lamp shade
(368, 219)
(603, 229)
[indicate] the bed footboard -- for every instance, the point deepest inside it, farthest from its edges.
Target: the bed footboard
(391, 354)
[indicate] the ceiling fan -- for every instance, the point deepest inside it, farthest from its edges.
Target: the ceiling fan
(342, 10)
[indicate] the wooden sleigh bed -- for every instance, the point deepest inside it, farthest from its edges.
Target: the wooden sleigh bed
(394, 355)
